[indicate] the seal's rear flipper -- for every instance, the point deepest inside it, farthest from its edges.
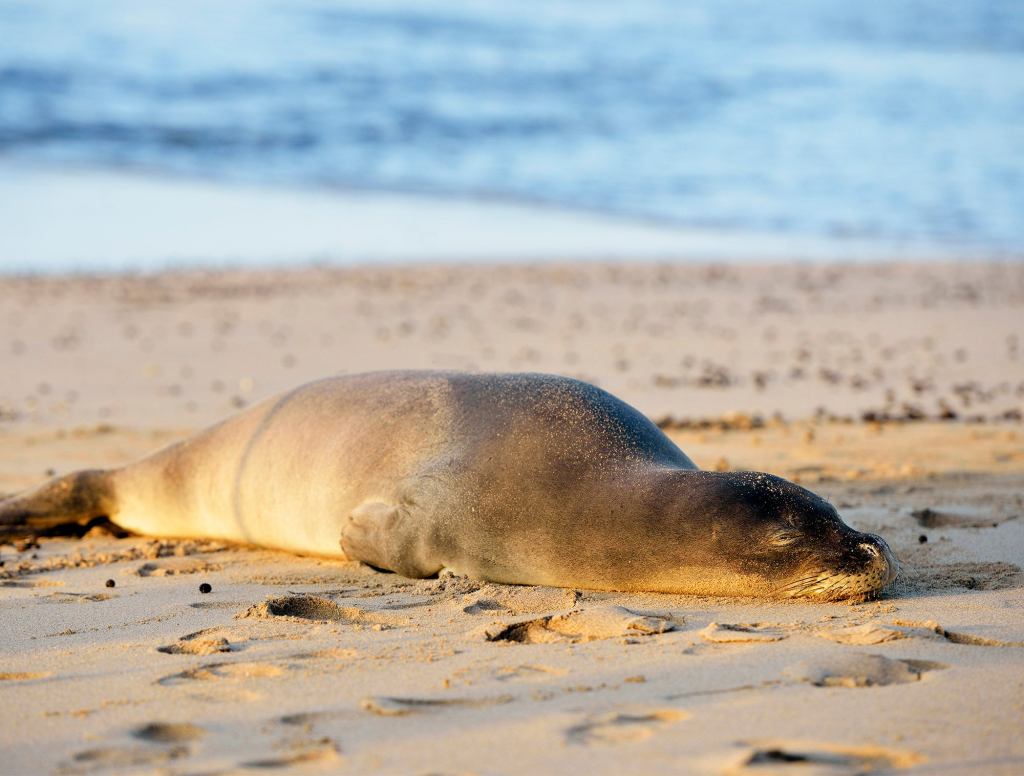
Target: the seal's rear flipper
(74, 499)
(383, 535)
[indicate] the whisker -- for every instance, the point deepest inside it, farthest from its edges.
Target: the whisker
(804, 585)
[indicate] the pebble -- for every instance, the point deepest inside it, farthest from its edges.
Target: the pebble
(111, 583)
(205, 588)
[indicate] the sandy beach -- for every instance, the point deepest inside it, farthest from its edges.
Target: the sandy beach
(894, 390)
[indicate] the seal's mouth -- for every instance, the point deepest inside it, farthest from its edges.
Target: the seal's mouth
(873, 568)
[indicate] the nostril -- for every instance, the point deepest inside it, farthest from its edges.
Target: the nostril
(870, 548)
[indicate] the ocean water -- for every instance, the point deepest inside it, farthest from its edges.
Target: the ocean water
(884, 119)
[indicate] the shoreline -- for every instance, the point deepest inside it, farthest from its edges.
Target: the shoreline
(115, 221)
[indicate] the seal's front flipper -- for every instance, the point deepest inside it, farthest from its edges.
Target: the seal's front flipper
(364, 534)
(385, 536)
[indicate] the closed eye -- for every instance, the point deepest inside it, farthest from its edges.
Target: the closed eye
(782, 537)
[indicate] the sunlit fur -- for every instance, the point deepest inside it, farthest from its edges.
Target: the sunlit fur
(846, 584)
(763, 527)
(516, 479)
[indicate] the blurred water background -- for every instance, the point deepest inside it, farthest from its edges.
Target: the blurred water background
(889, 120)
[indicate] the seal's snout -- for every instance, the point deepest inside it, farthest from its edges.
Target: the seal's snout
(867, 566)
(874, 568)
(882, 563)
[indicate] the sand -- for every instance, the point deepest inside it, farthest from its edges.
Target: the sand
(895, 391)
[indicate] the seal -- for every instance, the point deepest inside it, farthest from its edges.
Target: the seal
(514, 478)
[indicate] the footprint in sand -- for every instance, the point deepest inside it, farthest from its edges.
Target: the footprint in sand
(76, 598)
(521, 600)
(958, 518)
(859, 671)
(169, 732)
(816, 759)
(299, 608)
(974, 641)
(174, 566)
(31, 583)
(322, 752)
(601, 622)
(401, 707)
(875, 633)
(126, 758)
(204, 642)
(307, 719)
(724, 633)
(619, 727)
(214, 671)
(484, 606)
(878, 633)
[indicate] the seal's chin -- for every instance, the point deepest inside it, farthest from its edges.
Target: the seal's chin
(876, 567)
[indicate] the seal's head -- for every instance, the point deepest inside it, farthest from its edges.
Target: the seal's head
(789, 540)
